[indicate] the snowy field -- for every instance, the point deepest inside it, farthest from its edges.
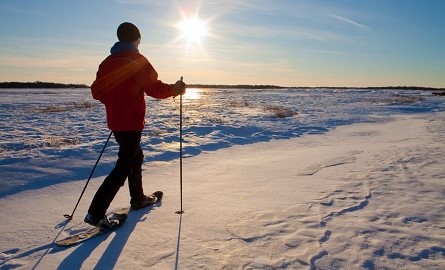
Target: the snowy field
(273, 179)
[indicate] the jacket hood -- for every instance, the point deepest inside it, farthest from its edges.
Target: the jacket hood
(119, 47)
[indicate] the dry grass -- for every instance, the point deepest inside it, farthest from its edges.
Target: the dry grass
(56, 142)
(65, 107)
(280, 111)
(395, 99)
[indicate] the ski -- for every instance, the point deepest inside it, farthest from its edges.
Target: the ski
(119, 216)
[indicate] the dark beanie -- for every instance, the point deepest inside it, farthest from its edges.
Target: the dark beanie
(128, 32)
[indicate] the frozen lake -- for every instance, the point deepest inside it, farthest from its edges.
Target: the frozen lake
(54, 135)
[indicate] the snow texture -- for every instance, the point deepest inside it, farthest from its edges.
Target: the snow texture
(273, 179)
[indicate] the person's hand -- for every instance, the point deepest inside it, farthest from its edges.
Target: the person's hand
(179, 88)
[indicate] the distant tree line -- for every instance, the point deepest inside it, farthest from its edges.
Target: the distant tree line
(249, 86)
(238, 86)
(39, 84)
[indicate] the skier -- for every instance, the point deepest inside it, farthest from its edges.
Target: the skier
(121, 81)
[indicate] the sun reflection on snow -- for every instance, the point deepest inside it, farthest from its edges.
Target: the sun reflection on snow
(192, 94)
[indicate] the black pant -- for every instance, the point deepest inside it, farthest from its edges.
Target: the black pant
(129, 164)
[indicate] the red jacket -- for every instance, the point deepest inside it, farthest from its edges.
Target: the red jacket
(120, 84)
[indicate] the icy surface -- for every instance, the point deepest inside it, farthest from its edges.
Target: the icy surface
(276, 179)
(65, 129)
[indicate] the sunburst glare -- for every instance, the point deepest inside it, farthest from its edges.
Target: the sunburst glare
(193, 29)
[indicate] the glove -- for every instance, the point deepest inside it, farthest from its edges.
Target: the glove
(179, 88)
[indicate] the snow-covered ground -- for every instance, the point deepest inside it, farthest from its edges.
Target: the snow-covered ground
(273, 179)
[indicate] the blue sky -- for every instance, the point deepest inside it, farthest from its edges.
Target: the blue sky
(280, 42)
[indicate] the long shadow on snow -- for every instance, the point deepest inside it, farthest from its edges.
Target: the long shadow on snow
(114, 249)
(229, 136)
(46, 248)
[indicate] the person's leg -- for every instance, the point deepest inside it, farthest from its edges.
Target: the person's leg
(135, 179)
(129, 147)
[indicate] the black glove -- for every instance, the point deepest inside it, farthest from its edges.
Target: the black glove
(179, 88)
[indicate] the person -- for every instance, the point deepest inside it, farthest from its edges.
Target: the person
(121, 81)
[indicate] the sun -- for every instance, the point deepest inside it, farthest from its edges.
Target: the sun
(193, 29)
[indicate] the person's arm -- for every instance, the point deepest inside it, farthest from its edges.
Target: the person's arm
(152, 86)
(97, 87)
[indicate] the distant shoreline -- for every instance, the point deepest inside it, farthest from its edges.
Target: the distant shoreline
(38, 84)
(244, 86)
(49, 85)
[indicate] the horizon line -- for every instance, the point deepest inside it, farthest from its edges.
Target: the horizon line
(251, 86)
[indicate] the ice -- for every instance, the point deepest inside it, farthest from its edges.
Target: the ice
(273, 179)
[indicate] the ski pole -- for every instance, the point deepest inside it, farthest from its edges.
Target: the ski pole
(89, 178)
(180, 150)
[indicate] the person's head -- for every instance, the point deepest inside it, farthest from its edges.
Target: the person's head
(129, 33)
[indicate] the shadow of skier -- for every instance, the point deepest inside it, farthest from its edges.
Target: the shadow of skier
(76, 258)
(112, 253)
(47, 248)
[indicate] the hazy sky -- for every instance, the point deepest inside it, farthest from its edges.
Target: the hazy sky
(280, 42)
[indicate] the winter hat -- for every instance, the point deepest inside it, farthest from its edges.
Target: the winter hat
(128, 32)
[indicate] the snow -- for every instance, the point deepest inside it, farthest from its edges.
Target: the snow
(273, 179)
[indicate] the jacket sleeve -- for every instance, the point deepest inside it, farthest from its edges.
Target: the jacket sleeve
(152, 86)
(97, 88)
